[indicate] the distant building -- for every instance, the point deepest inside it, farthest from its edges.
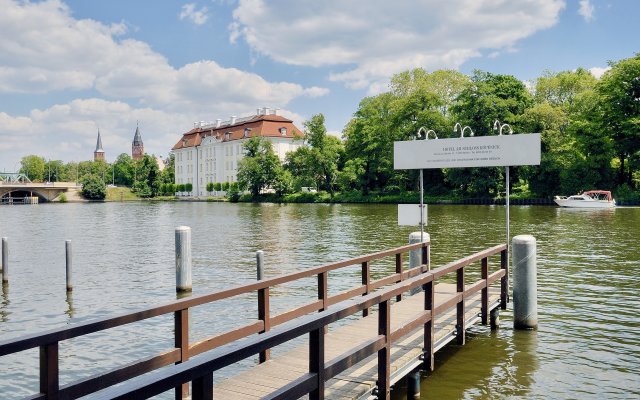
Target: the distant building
(98, 154)
(137, 147)
(210, 152)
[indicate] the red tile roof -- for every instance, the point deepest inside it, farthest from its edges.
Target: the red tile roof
(260, 125)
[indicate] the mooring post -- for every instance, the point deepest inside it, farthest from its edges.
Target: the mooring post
(5, 261)
(260, 264)
(494, 318)
(183, 259)
(415, 256)
(413, 385)
(67, 247)
(525, 287)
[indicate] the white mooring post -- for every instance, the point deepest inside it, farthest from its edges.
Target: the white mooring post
(68, 252)
(525, 286)
(5, 261)
(183, 259)
(415, 256)
(260, 264)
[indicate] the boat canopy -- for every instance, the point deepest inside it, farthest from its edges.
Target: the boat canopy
(597, 194)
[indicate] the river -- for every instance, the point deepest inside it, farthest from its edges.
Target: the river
(587, 344)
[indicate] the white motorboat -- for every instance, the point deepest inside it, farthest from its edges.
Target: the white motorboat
(588, 199)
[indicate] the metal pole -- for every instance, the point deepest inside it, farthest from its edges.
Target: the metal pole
(260, 264)
(183, 259)
(421, 208)
(507, 200)
(68, 251)
(5, 261)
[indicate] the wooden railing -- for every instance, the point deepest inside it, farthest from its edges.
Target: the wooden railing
(48, 342)
(200, 371)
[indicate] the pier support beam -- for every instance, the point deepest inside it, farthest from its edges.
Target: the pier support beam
(183, 259)
(413, 386)
(5, 261)
(525, 287)
(494, 319)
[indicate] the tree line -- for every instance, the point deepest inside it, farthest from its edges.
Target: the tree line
(590, 132)
(142, 176)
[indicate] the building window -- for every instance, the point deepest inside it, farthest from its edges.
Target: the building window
(283, 131)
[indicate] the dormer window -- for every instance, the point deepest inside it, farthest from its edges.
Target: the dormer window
(247, 131)
(227, 135)
(283, 131)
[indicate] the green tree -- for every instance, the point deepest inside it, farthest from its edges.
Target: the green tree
(560, 90)
(188, 187)
(53, 169)
(93, 187)
(217, 186)
(124, 170)
(324, 155)
(259, 167)
(33, 167)
(619, 91)
(169, 171)
(210, 187)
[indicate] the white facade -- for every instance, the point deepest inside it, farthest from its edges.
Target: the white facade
(215, 160)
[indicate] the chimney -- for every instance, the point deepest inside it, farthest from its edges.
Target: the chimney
(218, 122)
(201, 124)
(257, 111)
(233, 119)
(266, 111)
(276, 111)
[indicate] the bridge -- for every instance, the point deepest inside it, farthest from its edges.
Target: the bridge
(16, 187)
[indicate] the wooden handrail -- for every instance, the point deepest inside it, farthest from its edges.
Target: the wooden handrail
(197, 370)
(361, 297)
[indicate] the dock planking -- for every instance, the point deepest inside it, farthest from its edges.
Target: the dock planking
(360, 380)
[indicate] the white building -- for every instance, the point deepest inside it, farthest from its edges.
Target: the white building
(210, 151)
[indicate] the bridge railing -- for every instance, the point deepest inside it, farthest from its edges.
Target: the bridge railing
(200, 371)
(48, 342)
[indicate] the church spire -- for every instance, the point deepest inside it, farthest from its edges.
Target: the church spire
(98, 154)
(137, 147)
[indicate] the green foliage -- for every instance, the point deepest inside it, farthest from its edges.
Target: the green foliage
(188, 187)
(93, 188)
(225, 186)
(217, 186)
(260, 167)
(62, 198)
(210, 187)
(233, 194)
(559, 90)
(33, 167)
(180, 187)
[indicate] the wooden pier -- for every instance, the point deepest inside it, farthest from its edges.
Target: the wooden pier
(343, 357)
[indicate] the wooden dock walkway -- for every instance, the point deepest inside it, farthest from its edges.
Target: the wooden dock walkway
(359, 381)
(359, 341)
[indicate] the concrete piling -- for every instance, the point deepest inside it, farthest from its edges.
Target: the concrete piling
(525, 287)
(494, 319)
(5, 261)
(260, 264)
(413, 385)
(415, 256)
(69, 264)
(183, 259)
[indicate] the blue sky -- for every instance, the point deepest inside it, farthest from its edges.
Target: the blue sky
(70, 67)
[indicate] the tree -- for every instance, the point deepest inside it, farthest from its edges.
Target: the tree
(93, 187)
(561, 89)
(33, 167)
(188, 187)
(259, 167)
(169, 171)
(210, 187)
(619, 91)
(123, 170)
(323, 157)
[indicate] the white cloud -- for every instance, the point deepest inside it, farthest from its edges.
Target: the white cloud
(598, 71)
(369, 40)
(586, 10)
(44, 50)
(189, 12)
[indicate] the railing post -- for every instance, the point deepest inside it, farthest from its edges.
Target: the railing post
(49, 373)
(181, 338)
(399, 272)
(323, 293)
(460, 317)
(484, 274)
(203, 387)
(316, 362)
(264, 316)
(384, 354)
(429, 326)
(504, 281)
(426, 253)
(366, 281)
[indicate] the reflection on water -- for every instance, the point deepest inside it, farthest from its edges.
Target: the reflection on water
(586, 345)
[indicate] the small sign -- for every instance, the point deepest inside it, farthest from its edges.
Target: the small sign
(481, 151)
(409, 214)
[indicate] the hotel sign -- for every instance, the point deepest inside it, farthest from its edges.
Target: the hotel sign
(481, 151)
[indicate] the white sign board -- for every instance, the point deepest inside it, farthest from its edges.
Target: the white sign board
(481, 151)
(409, 214)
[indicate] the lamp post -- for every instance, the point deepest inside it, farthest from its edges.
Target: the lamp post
(426, 137)
(462, 130)
(497, 126)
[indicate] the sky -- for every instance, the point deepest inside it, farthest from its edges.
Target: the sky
(69, 68)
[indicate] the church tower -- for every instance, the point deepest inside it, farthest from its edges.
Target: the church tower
(137, 147)
(98, 154)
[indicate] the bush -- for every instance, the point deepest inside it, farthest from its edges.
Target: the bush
(188, 187)
(217, 186)
(93, 188)
(62, 198)
(225, 186)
